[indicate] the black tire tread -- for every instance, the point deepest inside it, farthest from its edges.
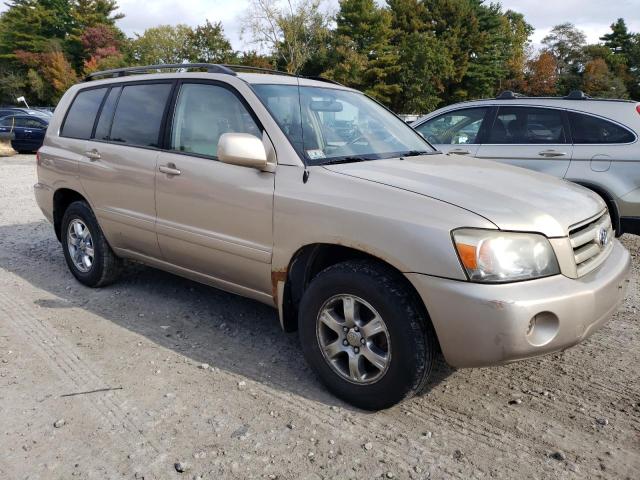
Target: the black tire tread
(399, 289)
(111, 264)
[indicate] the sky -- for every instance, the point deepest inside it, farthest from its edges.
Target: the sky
(592, 16)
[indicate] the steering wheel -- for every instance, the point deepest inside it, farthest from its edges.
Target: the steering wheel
(433, 139)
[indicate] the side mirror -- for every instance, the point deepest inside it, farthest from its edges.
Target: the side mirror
(242, 149)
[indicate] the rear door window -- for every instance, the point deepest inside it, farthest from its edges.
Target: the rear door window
(587, 129)
(82, 114)
(526, 125)
(139, 113)
(460, 127)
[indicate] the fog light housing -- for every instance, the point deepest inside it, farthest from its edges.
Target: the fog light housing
(542, 328)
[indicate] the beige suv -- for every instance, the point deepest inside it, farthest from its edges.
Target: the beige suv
(311, 197)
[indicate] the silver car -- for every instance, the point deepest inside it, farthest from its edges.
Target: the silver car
(314, 199)
(592, 142)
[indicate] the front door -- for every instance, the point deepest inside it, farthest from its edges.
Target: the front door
(456, 132)
(213, 218)
(531, 137)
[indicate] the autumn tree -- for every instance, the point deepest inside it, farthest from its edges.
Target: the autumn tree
(598, 81)
(542, 75)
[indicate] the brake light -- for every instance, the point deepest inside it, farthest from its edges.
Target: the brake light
(638, 108)
(38, 157)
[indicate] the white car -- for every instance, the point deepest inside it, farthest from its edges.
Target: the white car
(593, 142)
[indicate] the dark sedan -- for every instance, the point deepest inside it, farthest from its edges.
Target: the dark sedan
(28, 131)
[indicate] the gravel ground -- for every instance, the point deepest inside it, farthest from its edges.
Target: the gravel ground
(205, 382)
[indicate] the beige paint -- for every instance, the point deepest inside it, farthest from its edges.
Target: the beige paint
(238, 227)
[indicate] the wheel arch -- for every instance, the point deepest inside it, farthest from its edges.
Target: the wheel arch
(609, 200)
(310, 260)
(62, 198)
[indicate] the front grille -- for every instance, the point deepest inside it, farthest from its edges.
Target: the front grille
(592, 242)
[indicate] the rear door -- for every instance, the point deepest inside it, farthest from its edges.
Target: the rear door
(119, 167)
(536, 138)
(457, 131)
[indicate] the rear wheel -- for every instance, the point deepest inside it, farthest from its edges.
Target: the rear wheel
(365, 334)
(88, 255)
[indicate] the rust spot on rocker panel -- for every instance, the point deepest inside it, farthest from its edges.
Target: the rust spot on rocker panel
(277, 276)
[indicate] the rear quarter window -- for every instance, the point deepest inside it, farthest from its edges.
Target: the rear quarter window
(595, 130)
(82, 114)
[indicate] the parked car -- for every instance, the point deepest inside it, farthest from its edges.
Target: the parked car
(592, 142)
(5, 111)
(312, 198)
(28, 131)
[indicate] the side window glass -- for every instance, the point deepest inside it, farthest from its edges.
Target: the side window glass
(460, 127)
(7, 121)
(33, 123)
(106, 115)
(139, 114)
(203, 113)
(21, 122)
(522, 125)
(589, 129)
(82, 114)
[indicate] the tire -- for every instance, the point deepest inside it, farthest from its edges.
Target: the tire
(408, 344)
(105, 266)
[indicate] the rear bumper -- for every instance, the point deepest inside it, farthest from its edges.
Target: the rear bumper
(44, 199)
(482, 325)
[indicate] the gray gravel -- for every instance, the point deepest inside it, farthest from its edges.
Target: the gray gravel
(256, 411)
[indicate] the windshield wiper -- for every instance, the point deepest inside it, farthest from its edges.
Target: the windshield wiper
(352, 159)
(414, 153)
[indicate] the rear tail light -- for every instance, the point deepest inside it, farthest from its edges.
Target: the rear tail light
(37, 157)
(638, 108)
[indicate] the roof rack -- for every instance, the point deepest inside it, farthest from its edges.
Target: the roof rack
(509, 95)
(121, 72)
(210, 67)
(577, 95)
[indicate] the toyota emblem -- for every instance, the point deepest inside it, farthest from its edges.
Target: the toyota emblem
(603, 237)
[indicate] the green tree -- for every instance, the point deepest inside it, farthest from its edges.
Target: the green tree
(363, 56)
(425, 65)
(292, 33)
(163, 44)
(207, 43)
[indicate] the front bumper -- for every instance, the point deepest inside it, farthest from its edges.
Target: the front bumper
(482, 325)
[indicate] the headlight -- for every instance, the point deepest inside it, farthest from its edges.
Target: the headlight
(493, 256)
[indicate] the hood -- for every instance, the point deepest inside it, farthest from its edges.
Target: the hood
(512, 198)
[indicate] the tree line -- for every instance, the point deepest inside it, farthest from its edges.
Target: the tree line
(412, 55)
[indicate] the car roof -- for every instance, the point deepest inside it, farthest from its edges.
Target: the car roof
(617, 109)
(250, 75)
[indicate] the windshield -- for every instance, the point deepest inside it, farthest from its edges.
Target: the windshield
(327, 125)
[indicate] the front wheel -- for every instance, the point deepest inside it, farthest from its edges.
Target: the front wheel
(365, 334)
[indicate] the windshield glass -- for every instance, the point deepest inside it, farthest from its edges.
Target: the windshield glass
(327, 125)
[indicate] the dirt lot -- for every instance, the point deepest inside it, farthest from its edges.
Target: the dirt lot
(255, 410)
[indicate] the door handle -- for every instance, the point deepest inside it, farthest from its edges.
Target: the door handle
(93, 155)
(552, 153)
(28, 131)
(460, 151)
(169, 169)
